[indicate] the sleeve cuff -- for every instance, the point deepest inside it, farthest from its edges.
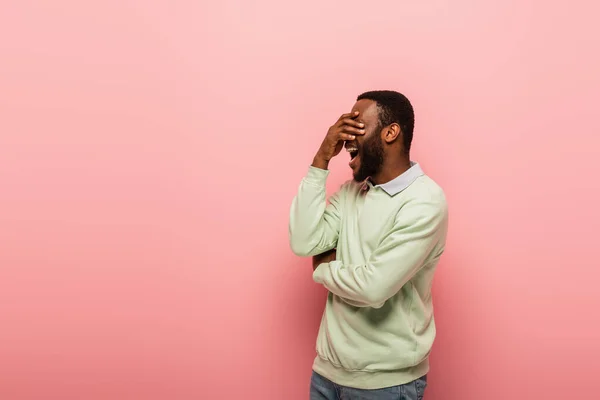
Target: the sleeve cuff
(319, 273)
(316, 175)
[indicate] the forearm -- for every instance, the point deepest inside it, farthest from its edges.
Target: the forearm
(358, 285)
(407, 248)
(320, 162)
(314, 225)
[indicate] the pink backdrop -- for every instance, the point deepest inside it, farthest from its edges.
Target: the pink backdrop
(149, 152)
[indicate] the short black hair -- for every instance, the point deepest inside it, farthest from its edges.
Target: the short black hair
(394, 107)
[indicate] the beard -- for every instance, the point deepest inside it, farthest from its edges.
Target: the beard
(371, 157)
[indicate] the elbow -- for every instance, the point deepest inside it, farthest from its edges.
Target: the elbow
(300, 249)
(373, 297)
(298, 242)
(374, 301)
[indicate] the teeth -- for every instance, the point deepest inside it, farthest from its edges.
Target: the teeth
(350, 150)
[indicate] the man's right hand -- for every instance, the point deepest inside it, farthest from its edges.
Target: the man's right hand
(346, 128)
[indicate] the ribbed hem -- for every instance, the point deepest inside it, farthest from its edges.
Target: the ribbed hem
(369, 380)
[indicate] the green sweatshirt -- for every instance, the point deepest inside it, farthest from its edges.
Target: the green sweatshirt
(378, 327)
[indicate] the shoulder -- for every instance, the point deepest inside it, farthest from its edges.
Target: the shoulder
(426, 190)
(424, 198)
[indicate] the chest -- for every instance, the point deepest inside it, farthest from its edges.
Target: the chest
(367, 219)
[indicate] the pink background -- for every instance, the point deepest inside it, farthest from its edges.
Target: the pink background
(149, 152)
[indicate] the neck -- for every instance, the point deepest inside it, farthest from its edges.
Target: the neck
(391, 169)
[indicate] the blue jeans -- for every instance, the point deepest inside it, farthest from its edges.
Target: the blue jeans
(323, 389)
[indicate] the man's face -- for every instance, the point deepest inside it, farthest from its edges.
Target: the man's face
(367, 150)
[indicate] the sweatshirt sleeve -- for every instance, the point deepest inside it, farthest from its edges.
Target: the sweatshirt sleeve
(314, 225)
(401, 253)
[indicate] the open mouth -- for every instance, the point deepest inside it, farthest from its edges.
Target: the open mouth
(353, 152)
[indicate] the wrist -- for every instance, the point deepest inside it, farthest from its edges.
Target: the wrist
(320, 162)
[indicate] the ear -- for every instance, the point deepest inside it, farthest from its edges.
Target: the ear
(391, 133)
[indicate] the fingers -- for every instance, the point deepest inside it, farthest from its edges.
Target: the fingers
(352, 122)
(346, 136)
(347, 124)
(348, 115)
(346, 132)
(352, 130)
(347, 128)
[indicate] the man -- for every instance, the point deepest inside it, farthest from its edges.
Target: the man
(375, 247)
